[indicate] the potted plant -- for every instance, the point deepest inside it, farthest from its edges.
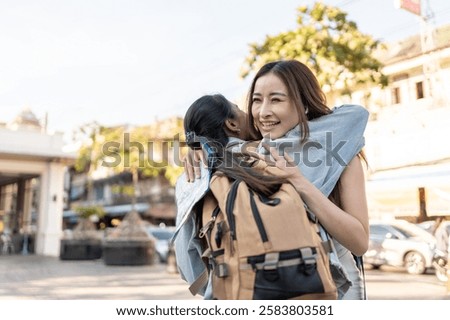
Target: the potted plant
(129, 243)
(85, 241)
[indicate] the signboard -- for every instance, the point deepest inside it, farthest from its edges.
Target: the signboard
(412, 6)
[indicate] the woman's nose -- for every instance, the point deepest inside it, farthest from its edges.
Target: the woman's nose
(265, 110)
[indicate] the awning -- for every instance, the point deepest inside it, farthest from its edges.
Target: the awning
(419, 176)
(115, 211)
(164, 210)
(121, 210)
(397, 191)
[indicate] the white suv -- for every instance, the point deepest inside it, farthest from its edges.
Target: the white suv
(400, 243)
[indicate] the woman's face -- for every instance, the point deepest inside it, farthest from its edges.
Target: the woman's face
(273, 110)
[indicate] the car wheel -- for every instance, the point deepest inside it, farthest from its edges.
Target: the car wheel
(376, 266)
(414, 263)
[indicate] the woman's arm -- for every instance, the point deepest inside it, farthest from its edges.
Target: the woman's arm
(349, 225)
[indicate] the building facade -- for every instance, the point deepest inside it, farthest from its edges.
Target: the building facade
(407, 136)
(32, 168)
(113, 188)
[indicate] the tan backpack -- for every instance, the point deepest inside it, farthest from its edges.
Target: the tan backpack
(263, 248)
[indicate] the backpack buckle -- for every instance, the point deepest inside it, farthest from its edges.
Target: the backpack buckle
(309, 264)
(221, 270)
(270, 266)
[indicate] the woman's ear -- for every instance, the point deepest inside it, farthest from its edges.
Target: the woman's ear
(232, 126)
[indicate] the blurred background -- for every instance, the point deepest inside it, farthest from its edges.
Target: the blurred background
(93, 93)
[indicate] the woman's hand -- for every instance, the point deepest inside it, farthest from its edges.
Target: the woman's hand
(286, 164)
(192, 162)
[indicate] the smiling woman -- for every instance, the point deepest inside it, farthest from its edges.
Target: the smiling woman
(285, 94)
(274, 112)
(317, 150)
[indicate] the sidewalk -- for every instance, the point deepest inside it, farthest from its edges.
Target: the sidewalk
(45, 278)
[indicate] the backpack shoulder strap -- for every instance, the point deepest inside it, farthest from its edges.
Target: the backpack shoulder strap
(199, 283)
(360, 264)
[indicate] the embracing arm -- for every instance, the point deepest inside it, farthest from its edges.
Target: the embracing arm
(191, 162)
(349, 225)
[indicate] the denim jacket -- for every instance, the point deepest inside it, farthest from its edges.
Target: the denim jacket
(334, 140)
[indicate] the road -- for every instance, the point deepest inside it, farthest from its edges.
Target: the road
(48, 278)
(389, 283)
(44, 278)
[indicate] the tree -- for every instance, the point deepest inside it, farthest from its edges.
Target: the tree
(330, 44)
(142, 151)
(159, 141)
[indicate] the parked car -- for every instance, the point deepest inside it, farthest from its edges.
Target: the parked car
(163, 236)
(440, 262)
(429, 225)
(400, 243)
(172, 261)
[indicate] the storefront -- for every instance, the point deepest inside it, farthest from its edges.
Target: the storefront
(402, 192)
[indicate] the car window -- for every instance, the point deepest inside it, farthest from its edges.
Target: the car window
(412, 231)
(403, 232)
(378, 231)
(399, 230)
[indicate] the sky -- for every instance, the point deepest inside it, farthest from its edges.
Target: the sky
(135, 61)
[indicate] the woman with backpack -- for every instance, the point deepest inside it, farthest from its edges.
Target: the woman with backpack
(321, 157)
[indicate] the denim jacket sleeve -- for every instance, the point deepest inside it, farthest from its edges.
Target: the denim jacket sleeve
(187, 246)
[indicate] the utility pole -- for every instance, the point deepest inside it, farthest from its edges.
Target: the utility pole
(422, 205)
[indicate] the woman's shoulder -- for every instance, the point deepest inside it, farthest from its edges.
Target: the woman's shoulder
(345, 115)
(353, 110)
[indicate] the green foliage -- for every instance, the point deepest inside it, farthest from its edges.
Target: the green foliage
(330, 44)
(94, 137)
(144, 149)
(88, 211)
(127, 190)
(172, 173)
(83, 160)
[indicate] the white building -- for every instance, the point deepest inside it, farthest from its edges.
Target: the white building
(407, 139)
(32, 167)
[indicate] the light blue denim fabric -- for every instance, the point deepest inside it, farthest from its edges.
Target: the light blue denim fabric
(187, 246)
(334, 140)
